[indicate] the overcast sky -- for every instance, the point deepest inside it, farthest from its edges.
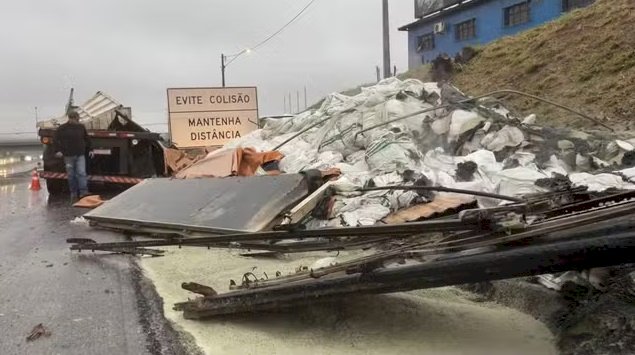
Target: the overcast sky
(135, 49)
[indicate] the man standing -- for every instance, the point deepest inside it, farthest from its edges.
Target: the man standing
(71, 143)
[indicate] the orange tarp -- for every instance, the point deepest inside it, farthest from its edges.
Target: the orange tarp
(237, 162)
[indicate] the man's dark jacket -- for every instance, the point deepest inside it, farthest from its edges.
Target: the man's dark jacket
(71, 139)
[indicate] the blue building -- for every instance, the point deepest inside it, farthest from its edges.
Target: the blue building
(447, 26)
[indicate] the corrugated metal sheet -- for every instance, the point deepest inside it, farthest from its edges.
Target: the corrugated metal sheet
(96, 113)
(97, 105)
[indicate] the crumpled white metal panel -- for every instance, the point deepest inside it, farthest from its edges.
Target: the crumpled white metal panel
(96, 113)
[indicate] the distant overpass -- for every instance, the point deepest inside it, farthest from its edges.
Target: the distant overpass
(16, 143)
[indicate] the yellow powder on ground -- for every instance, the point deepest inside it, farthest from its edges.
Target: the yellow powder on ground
(436, 321)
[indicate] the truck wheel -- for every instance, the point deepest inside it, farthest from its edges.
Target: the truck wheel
(56, 186)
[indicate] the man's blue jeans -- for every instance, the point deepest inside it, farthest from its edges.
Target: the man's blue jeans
(76, 170)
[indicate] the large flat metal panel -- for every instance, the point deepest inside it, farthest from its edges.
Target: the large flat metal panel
(217, 205)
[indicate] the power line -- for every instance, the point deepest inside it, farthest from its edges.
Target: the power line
(285, 26)
(270, 37)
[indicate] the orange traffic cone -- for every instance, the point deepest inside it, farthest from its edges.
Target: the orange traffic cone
(35, 181)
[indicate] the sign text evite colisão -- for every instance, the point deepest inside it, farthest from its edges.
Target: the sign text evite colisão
(203, 117)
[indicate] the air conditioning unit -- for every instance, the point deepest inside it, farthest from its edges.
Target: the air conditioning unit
(439, 27)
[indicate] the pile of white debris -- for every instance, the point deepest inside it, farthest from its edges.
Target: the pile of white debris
(477, 145)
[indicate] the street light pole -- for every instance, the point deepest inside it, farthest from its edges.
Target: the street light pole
(224, 63)
(222, 67)
(386, 38)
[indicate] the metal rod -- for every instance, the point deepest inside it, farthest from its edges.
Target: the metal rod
(493, 93)
(222, 67)
(386, 38)
(457, 243)
(443, 189)
(302, 132)
(579, 253)
(440, 107)
(187, 230)
(369, 231)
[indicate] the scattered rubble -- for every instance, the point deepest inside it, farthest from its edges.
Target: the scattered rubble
(80, 221)
(439, 188)
(37, 332)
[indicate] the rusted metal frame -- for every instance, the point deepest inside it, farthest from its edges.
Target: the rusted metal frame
(119, 250)
(304, 130)
(362, 263)
(443, 189)
(306, 246)
(137, 229)
(579, 253)
(538, 230)
(193, 232)
(138, 251)
(618, 208)
(543, 227)
(456, 245)
(550, 195)
(368, 231)
(580, 206)
(377, 258)
(380, 256)
(299, 247)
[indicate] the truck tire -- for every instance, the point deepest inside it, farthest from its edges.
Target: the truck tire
(56, 186)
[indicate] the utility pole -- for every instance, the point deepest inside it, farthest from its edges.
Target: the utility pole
(290, 104)
(222, 67)
(285, 104)
(297, 100)
(305, 97)
(386, 28)
(378, 73)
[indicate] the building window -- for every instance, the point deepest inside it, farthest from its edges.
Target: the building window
(568, 5)
(425, 42)
(516, 14)
(465, 30)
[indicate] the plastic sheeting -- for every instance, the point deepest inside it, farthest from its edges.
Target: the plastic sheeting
(511, 153)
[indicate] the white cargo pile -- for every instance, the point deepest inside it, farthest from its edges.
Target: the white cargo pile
(511, 152)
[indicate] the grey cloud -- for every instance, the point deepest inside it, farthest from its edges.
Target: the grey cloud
(134, 50)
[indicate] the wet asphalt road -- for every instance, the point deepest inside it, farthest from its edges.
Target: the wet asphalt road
(91, 304)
